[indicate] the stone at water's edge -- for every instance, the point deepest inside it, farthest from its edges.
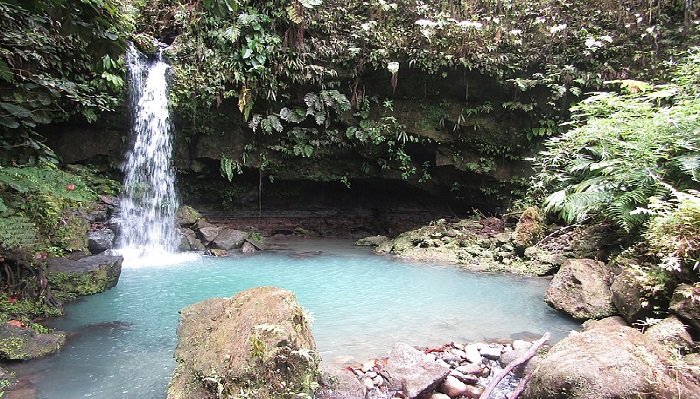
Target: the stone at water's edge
(608, 360)
(412, 371)
(256, 344)
(21, 343)
(85, 276)
(229, 239)
(100, 240)
(581, 288)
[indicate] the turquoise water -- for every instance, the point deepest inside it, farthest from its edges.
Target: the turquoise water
(122, 340)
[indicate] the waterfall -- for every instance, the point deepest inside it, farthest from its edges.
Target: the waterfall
(148, 203)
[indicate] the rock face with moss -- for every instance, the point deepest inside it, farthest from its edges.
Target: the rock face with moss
(86, 276)
(255, 344)
(20, 342)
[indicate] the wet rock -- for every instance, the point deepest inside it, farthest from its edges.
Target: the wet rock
(372, 241)
(85, 276)
(255, 344)
(413, 372)
(100, 240)
(187, 216)
(581, 289)
(671, 334)
(685, 303)
(520, 344)
(189, 241)
(229, 239)
(453, 387)
(607, 360)
(22, 343)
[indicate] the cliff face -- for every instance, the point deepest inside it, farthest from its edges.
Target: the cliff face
(446, 99)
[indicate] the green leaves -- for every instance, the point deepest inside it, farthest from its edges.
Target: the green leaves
(624, 150)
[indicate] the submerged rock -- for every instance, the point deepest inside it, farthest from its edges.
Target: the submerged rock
(608, 360)
(372, 241)
(581, 289)
(85, 276)
(256, 344)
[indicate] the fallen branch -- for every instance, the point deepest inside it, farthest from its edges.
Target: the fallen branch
(562, 230)
(512, 365)
(520, 388)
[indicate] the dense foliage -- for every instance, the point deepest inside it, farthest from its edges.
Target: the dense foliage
(263, 63)
(633, 156)
(57, 59)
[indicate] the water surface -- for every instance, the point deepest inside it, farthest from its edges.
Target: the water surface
(123, 339)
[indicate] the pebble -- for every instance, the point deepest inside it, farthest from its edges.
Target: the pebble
(438, 395)
(490, 352)
(472, 354)
(520, 344)
(470, 368)
(368, 383)
(453, 387)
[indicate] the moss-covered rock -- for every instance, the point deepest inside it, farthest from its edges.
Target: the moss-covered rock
(21, 343)
(255, 344)
(86, 276)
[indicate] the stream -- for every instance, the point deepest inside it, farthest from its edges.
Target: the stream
(122, 341)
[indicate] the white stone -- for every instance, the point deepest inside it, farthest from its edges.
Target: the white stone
(438, 395)
(371, 374)
(519, 344)
(368, 383)
(491, 352)
(369, 365)
(458, 352)
(453, 387)
(472, 354)
(470, 368)
(378, 380)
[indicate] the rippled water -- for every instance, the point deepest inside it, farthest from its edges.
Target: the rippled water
(123, 339)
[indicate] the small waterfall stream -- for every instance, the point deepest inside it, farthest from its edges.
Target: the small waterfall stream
(149, 201)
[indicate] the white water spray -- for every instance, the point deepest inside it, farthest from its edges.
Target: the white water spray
(149, 202)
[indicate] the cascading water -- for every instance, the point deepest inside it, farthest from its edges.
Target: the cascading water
(149, 201)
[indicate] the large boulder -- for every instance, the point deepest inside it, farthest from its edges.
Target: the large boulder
(685, 303)
(413, 372)
(608, 360)
(21, 343)
(229, 239)
(206, 231)
(255, 344)
(581, 288)
(86, 276)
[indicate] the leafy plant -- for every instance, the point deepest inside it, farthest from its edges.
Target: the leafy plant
(624, 149)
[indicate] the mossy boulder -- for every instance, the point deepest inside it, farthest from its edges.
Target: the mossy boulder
(71, 278)
(21, 343)
(187, 216)
(255, 344)
(530, 228)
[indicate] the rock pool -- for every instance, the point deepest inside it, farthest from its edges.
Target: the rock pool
(122, 340)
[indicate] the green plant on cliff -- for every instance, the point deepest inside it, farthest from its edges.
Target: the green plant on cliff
(625, 148)
(59, 59)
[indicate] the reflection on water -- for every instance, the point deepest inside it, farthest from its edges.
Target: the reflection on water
(123, 339)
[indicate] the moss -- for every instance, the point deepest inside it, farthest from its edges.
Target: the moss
(71, 234)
